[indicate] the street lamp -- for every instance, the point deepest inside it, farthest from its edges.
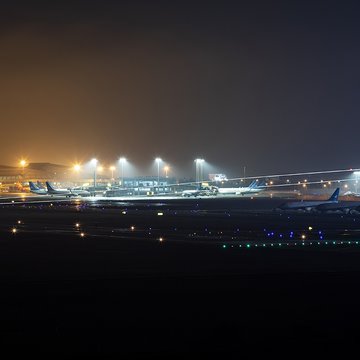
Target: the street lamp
(94, 163)
(22, 163)
(166, 169)
(198, 168)
(76, 169)
(158, 161)
(122, 161)
(112, 168)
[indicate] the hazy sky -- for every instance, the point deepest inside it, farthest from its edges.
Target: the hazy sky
(268, 84)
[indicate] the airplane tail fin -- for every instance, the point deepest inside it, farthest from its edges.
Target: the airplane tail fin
(49, 187)
(39, 185)
(256, 184)
(335, 195)
(252, 184)
(33, 186)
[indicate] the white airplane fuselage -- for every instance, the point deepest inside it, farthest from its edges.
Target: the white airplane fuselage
(239, 190)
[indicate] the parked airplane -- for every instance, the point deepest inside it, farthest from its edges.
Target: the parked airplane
(80, 191)
(65, 192)
(345, 207)
(202, 190)
(311, 204)
(36, 190)
(40, 185)
(253, 188)
(350, 193)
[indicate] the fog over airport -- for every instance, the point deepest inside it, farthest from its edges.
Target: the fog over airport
(269, 86)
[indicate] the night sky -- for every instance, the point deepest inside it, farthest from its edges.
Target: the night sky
(270, 85)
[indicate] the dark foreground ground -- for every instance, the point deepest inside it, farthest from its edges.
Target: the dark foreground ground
(119, 289)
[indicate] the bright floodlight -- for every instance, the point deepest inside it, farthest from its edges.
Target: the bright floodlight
(158, 160)
(22, 163)
(122, 160)
(357, 173)
(166, 169)
(76, 167)
(199, 161)
(112, 168)
(94, 161)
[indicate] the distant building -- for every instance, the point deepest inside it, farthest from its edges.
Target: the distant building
(217, 177)
(17, 178)
(142, 185)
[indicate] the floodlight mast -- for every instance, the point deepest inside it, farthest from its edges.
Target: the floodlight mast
(199, 169)
(158, 161)
(94, 162)
(122, 161)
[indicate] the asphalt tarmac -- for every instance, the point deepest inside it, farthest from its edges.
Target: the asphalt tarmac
(98, 277)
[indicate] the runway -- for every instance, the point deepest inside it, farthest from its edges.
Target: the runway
(225, 220)
(98, 276)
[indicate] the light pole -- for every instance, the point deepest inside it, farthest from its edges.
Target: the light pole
(199, 169)
(94, 163)
(22, 164)
(166, 169)
(112, 168)
(76, 169)
(122, 162)
(158, 161)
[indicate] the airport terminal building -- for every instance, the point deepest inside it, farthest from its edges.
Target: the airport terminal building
(16, 179)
